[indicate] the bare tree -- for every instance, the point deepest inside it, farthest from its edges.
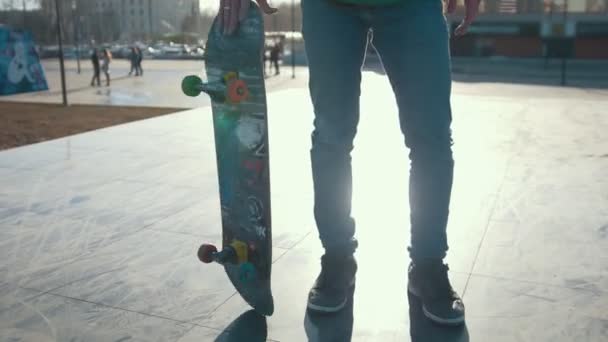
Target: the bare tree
(9, 4)
(282, 20)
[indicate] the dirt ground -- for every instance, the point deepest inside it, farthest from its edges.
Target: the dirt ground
(28, 123)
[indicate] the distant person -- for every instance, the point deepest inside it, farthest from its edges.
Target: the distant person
(105, 65)
(139, 56)
(266, 58)
(275, 54)
(96, 69)
(133, 59)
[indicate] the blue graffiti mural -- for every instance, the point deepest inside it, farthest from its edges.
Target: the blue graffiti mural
(20, 69)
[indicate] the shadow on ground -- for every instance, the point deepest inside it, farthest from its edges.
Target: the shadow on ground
(423, 330)
(338, 327)
(249, 326)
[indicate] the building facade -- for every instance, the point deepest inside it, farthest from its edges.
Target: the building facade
(536, 28)
(111, 20)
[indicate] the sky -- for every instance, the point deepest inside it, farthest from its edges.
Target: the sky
(214, 4)
(19, 4)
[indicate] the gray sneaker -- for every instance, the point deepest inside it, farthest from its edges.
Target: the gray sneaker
(330, 291)
(440, 303)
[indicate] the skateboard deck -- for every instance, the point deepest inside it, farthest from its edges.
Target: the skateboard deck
(235, 82)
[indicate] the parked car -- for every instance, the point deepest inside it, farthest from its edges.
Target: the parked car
(69, 51)
(120, 50)
(175, 51)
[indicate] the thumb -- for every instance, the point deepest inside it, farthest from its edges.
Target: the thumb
(266, 7)
(462, 29)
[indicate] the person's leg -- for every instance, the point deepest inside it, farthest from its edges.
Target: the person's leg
(336, 40)
(412, 40)
(94, 76)
(266, 60)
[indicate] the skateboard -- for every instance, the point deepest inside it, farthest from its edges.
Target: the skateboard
(235, 83)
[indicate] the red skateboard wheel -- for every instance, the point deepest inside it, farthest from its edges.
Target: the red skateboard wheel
(237, 91)
(206, 252)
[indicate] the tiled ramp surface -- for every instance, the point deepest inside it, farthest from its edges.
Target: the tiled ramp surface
(99, 231)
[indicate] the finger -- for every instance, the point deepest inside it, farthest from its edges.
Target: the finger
(234, 16)
(226, 17)
(462, 29)
(266, 7)
(243, 10)
(471, 10)
(468, 20)
(220, 15)
(451, 6)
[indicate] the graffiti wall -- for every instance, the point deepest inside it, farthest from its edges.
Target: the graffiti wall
(20, 68)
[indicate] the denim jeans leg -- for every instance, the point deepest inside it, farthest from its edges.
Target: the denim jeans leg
(336, 40)
(412, 40)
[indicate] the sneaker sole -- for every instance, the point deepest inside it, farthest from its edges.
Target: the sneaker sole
(327, 309)
(434, 318)
(330, 309)
(442, 321)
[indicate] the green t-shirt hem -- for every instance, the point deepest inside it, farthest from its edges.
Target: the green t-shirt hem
(369, 2)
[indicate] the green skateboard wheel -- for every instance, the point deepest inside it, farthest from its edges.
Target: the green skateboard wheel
(191, 85)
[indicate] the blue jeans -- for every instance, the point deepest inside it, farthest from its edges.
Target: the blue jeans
(412, 41)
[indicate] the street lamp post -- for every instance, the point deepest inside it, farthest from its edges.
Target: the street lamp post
(60, 41)
(75, 22)
(24, 16)
(566, 50)
(293, 39)
(549, 32)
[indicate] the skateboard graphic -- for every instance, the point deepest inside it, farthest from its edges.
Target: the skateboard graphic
(235, 83)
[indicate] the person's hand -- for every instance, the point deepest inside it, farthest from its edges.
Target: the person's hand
(232, 12)
(471, 11)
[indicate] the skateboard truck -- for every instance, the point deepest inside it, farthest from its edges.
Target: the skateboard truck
(230, 89)
(236, 253)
